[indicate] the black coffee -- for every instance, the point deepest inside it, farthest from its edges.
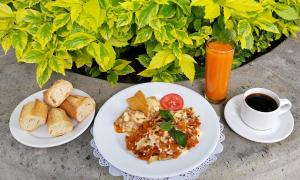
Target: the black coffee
(261, 102)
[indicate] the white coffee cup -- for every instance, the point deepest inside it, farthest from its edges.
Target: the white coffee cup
(263, 120)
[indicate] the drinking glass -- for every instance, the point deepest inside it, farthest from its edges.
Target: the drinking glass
(219, 57)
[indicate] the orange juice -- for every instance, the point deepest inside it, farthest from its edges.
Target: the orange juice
(218, 63)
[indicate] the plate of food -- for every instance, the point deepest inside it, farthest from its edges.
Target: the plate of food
(53, 116)
(156, 130)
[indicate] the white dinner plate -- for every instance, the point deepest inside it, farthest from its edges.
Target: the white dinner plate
(276, 134)
(112, 145)
(40, 138)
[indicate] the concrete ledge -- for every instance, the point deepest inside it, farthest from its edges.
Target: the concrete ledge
(278, 70)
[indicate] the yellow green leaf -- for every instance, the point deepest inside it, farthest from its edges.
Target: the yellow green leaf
(5, 25)
(5, 11)
(120, 64)
(112, 78)
(68, 63)
(105, 3)
(54, 42)
(229, 24)
(156, 24)
(243, 5)
(57, 64)
(93, 14)
(156, 78)
(78, 40)
(162, 1)
(143, 35)
(166, 77)
(101, 55)
(186, 63)
(267, 16)
(294, 30)
(227, 14)
(124, 19)
(167, 11)
(182, 35)
(58, 3)
(6, 42)
(287, 12)
(184, 5)
(105, 32)
(44, 34)
(147, 73)
(176, 50)
(28, 15)
(35, 45)
(145, 15)
(63, 54)
(66, 3)
(127, 5)
(244, 27)
(212, 10)
(110, 49)
(93, 49)
(68, 60)
(200, 2)
(75, 11)
(82, 58)
(33, 56)
(118, 43)
(85, 21)
(19, 41)
(161, 59)
(144, 60)
(112, 55)
(246, 41)
(161, 36)
(60, 20)
(101, 17)
(43, 76)
(63, 32)
(41, 66)
(126, 70)
(266, 25)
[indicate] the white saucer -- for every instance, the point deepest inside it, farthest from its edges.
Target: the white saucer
(233, 119)
(40, 138)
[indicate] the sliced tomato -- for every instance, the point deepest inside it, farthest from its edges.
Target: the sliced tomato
(172, 102)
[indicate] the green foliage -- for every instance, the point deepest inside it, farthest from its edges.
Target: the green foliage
(54, 35)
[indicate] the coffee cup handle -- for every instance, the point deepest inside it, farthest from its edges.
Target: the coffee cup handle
(285, 105)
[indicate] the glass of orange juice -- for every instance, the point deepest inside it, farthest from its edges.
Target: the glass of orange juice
(219, 57)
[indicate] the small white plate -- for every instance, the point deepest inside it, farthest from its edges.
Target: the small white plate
(112, 145)
(233, 119)
(40, 138)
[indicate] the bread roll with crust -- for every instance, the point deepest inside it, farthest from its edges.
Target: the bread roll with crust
(58, 92)
(58, 122)
(78, 107)
(33, 115)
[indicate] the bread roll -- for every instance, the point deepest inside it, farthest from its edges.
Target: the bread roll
(33, 115)
(78, 107)
(58, 122)
(58, 92)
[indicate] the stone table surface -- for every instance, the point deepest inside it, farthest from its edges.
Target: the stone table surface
(278, 70)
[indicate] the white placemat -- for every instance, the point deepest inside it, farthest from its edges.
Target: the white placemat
(190, 175)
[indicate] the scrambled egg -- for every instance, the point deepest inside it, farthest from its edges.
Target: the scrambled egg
(131, 119)
(148, 141)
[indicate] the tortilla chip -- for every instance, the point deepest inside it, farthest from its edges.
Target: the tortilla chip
(138, 102)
